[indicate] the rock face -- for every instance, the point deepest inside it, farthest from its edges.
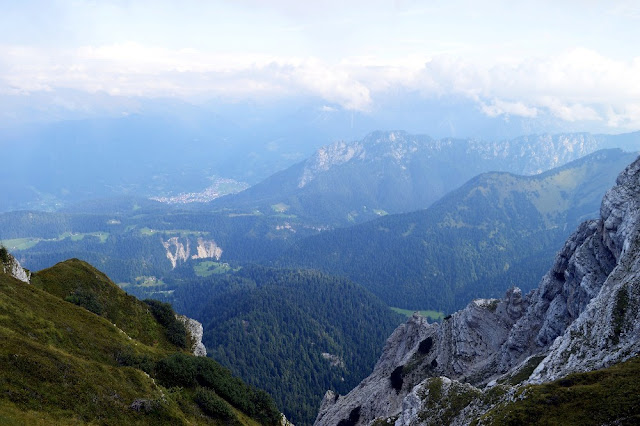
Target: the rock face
(11, 266)
(375, 393)
(179, 250)
(284, 421)
(608, 331)
(329, 156)
(576, 277)
(207, 249)
(584, 315)
(195, 330)
(464, 347)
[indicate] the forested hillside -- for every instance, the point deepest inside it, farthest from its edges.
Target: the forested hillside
(127, 241)
(293, 333)
(496, 231)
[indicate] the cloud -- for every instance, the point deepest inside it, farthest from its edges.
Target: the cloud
(626, 9)
(575, 85)
(498, 107)
(571, 112)
(132, 69)
(327, 108)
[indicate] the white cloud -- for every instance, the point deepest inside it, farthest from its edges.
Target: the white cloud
(628, 9)
(327, 108)
(136, 70)
(498, 107)
(571, 112)
(576, 85)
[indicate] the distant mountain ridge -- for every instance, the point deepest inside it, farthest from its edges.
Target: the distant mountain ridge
(396, 172)
(496, 229)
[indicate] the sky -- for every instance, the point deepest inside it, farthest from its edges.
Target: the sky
(574, 60)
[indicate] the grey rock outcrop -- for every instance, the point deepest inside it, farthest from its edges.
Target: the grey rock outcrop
(584, 315)
(329, 156)
(207, 249)
(375, 393)
(464, 347)
(430, 402)
(195, 330)
(12, 267)
(284, 421)
(578, 273)
(179, 250)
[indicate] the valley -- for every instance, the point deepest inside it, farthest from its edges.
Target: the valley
(299, 280)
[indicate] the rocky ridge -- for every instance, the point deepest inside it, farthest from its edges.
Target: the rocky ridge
(527, 155)
(584, 315)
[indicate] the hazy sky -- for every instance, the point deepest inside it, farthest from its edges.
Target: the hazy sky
(579, 60)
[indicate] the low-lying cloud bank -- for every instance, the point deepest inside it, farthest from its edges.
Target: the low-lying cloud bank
(577, 85)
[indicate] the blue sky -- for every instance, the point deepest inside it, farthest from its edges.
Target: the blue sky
(577, 60)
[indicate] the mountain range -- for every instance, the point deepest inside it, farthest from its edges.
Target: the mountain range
(126, 236)
(175, 150)
(497, 230)
(395, 172)
(565, 353)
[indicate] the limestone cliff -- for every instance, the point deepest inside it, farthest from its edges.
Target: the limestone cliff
(584, 315)
(179, 250)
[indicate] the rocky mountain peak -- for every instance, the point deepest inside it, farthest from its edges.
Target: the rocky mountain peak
(397, 145)
(328, 156)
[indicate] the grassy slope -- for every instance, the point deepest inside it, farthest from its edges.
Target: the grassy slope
(59, 361)
(61, 364)
(608, 396)
(125, 311)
